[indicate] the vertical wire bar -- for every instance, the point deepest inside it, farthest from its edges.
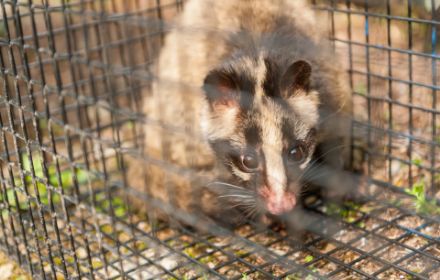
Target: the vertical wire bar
(332, 22)
(156, 47)
(390, 95)
(145, 42)
(351, 82)
(410, 93)
(368, 69)
(434, 136)
(160, 17)
(165, 152)
(149, 49)
(151, 44)
(179, 5)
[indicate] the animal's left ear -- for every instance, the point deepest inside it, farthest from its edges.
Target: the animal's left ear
(296, 78)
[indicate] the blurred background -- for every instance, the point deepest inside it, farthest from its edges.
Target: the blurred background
(73, 75)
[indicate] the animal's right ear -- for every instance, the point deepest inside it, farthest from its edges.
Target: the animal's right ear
(221, 90)
(297, 78)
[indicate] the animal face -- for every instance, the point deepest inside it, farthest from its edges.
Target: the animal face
(261, 123)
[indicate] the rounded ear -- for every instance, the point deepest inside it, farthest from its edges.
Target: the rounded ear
(297, 78)
(221, 89)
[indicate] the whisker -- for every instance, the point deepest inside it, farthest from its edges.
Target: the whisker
(326, 153)
(250, 204)
(314, 178)
(225, 184)
(235, 195)
(305, 175)
(313, 164)
(248, 209)
(251, 214)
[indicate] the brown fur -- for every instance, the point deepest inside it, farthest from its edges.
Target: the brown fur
(206, 34)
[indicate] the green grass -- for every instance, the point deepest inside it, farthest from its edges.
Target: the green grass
(63, 179)
(117, 204)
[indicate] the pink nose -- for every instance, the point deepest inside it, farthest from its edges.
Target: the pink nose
(277, 204)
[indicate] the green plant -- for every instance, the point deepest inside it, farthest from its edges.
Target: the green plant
(361, 224)
(190, 252)
(347, 212)
(421, 202)
(309, 258)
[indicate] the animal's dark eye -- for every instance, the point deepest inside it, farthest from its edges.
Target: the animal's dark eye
(296, 154)
(249, 162)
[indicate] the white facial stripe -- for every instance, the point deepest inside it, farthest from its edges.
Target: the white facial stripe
(275, 172)
(260, 74)
(272, 147)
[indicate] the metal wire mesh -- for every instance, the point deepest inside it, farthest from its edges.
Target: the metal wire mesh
(72, 76)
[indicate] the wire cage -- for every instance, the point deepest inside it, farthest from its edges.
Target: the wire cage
(72, 77)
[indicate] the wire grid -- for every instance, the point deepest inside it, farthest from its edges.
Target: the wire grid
(69, 117)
